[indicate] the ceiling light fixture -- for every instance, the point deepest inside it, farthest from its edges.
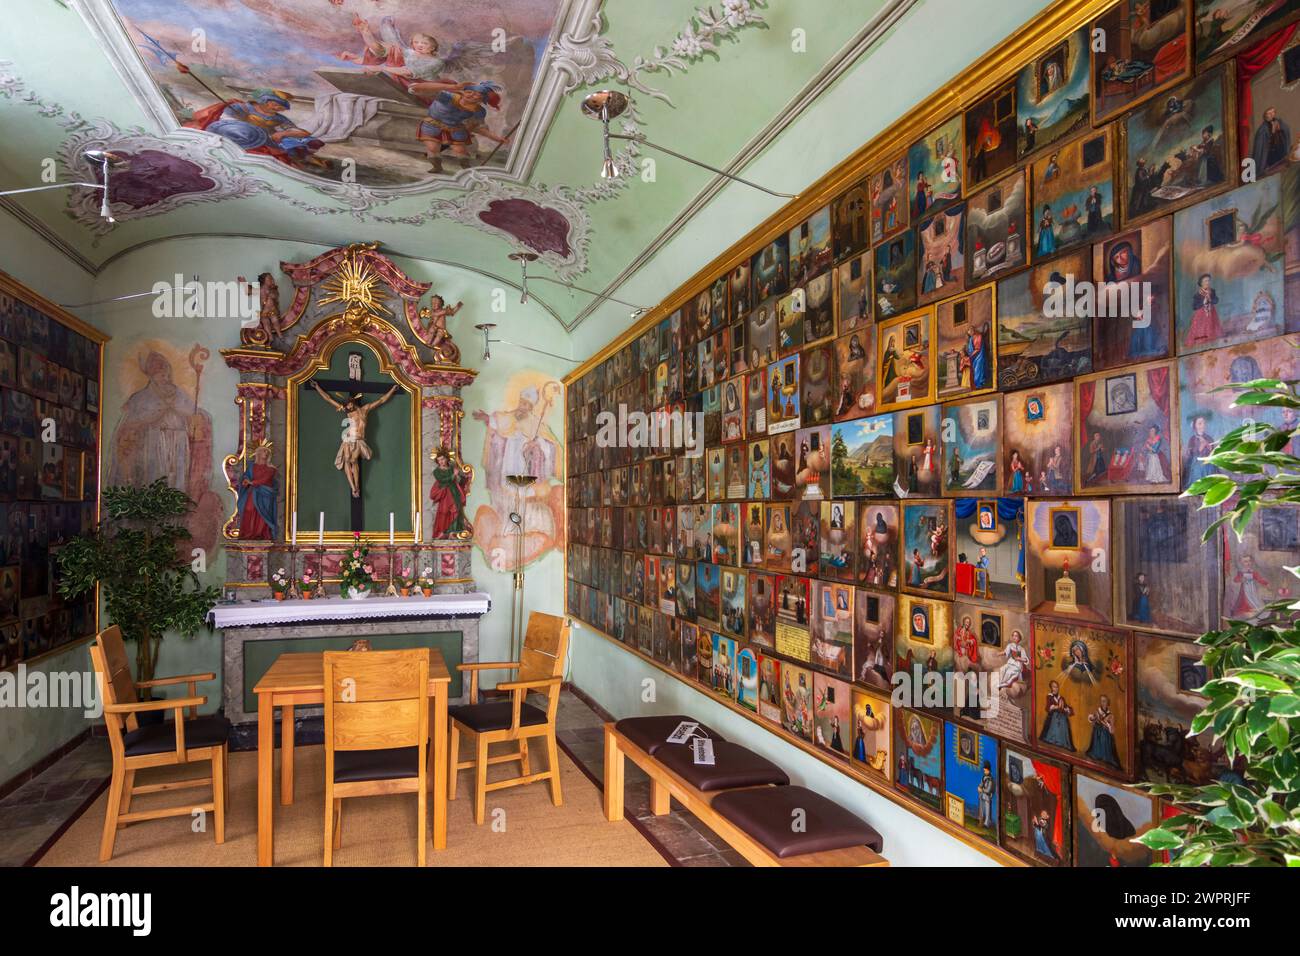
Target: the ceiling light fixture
(107, 161)
(523, 258)
(605, 105)
(487, 327)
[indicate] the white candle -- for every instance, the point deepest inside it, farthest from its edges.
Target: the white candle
(419, 528)
(295, 527)
(390, 528)
(320, 537)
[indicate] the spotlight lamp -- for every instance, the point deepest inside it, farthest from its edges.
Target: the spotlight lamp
(605, 105)
(523, 258)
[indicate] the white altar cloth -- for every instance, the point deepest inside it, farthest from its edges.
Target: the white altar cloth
(271, 611)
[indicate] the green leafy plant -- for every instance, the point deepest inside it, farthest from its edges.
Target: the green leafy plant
(357, 571)
(149, 585)
(1253, 692)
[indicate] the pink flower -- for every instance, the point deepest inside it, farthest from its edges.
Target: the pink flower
(356, 554)
(368, 569)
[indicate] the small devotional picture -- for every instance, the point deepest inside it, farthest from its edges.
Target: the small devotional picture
(769, 688)
(965, 330)
(923, 650)
(1269, 71)
(894, 275)
(782, 449)
(770, 270)
(927, 547)
(816, 379)
(1168, 579)
(1052, 94)
(758, 467)
(762, 609)
(1229, 280)
(739, 302)
(1179, 148)
(889, 205)
(854, 392)
(991, 136)
(723, 677)
(1148, 46)
(797, 700)
(853, 293)
(1134, 300)
(872, 734)
(1043, 336)
(916, 452)
(1083, 694)
(812, 463)
(878, 534)
(904, 371)
(1226, 29)
(935, 163)
(733, 602)
(862, 457)
(793, 598)
(1127, 430)
(1037, 800)
(747, 678)
(783, 413)
(1107, 818)
(989, 562)
(760, 334)
(874, 619)
(993, 666)
(996, 229)
(970, 780)
(1255, 571)
(941, 254)
(972, 453)
(1074, 194)
(1068, 559)
(1038, 440)
(838, 540)
(832, 628)
(918, 756)
(1170, 675)
(849, 222)
(832, 712)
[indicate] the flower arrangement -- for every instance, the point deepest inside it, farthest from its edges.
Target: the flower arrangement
(308, 583)
(358, 574)
(280, 584)
(427, 581)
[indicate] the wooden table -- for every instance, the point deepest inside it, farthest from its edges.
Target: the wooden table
(299, 679)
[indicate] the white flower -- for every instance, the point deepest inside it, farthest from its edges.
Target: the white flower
(687, 44)
(736, 13)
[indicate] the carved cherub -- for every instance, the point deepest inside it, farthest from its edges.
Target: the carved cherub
(268, 314)
(434, 318)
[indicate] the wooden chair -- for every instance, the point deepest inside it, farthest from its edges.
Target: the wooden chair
(541, 668)
(137, 747)
(376, 734)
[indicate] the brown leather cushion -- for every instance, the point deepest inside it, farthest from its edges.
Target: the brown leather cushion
(396, 763)
(481, 717)
(160, 738)
(733, 766)
(767, 815)
(651, 733)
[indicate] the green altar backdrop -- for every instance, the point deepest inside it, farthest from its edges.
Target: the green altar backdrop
(385, 479)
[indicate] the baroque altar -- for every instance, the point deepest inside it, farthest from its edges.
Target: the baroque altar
(349, 404)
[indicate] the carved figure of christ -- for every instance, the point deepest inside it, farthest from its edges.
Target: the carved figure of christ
(352, 446)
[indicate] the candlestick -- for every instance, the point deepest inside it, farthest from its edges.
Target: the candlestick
(320, 537)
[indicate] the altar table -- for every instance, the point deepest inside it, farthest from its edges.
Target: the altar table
(299, 679)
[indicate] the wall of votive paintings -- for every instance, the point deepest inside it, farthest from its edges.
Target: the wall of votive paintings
(946, 422)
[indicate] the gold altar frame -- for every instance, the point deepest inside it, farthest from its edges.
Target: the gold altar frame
(386, 367)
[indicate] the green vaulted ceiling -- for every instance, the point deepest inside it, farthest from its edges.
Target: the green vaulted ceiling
(718, 82)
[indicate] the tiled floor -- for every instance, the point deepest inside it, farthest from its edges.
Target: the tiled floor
(35, 812)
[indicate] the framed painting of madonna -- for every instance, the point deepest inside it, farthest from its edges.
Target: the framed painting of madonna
(1083, 695)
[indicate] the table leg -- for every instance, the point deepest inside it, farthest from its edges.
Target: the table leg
(613, 783)
(286, 755)
(265, 772)
(439, 725)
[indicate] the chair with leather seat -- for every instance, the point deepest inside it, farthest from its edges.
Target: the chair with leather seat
(376, 734)
(540, 669)
(137, 746)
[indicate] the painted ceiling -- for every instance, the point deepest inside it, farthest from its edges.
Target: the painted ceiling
(448, 130)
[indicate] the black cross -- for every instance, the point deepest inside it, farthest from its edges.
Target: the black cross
(350, 387)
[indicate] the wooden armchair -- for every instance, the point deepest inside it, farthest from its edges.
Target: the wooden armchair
(137, 747)
(376, 734)
(541, 669)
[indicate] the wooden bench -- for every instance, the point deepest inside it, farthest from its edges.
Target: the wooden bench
(666, 785)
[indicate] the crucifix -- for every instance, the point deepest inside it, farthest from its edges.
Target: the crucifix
(352, 443)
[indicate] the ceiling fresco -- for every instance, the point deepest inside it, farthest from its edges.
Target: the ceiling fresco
(388, 95)
(445, 129)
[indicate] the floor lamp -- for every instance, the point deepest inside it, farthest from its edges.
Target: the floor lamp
(518, 519)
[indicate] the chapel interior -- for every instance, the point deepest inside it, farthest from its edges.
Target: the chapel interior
(593, 433)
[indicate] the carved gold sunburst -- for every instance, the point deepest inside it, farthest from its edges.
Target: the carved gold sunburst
(357, 286)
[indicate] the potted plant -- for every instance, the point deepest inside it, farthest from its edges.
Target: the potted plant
(427, 582)
(357, 571)
(308, 584)
(139, 557)
(405, 581)
(1253, 691)
(279, 584)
